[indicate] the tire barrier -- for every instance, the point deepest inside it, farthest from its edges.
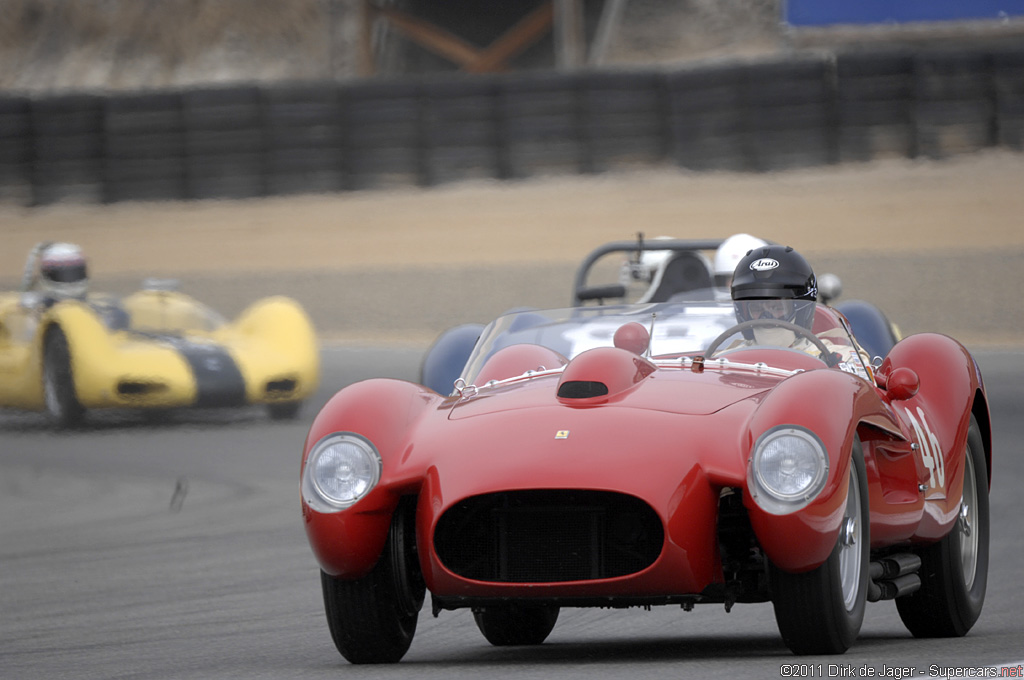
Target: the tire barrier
(808, 109)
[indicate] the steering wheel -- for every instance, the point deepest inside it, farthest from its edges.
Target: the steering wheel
(826, 354)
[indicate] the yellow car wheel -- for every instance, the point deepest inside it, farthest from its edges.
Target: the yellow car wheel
(62, 404)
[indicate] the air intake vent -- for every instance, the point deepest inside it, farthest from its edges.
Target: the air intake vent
(582, 389)
(279, 386)
(548, 536)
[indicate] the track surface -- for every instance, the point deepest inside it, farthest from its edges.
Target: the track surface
(138, 550)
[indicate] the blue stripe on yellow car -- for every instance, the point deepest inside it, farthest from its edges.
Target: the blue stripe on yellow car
(219, 382)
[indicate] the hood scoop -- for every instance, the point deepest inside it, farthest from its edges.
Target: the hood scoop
(599, 374)
(582, 389)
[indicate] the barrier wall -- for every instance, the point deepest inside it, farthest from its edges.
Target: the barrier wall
(249, 141)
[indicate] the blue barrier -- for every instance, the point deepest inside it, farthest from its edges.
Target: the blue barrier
(830, 12)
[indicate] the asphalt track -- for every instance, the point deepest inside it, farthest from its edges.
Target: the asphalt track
(141, 549)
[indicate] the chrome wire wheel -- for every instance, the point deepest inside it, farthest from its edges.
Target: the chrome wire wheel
(850, 558)
(954, 569)
(967, 523)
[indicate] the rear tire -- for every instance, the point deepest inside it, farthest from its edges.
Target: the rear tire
(515, 625)
(62, 405)
(954, 571)
(373, 619)
(821, 611)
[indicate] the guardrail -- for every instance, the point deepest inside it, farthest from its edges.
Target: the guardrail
(249, 141)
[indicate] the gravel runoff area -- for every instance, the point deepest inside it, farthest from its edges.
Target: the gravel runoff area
(939, 245)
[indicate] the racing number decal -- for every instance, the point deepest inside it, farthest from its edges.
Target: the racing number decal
(931, 452)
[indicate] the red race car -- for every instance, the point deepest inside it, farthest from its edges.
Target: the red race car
(656, 454)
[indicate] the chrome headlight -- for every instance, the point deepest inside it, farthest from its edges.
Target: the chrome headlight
(341, 469)
(788, 469)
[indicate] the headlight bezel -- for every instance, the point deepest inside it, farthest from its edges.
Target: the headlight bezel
(368, 461)
(776, 501)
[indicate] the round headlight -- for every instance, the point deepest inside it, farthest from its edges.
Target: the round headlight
(788, 469)
(341, 469)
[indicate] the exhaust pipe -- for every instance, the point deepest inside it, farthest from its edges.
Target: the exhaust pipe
(893, 576)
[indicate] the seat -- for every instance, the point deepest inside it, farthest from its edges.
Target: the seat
(681, 273)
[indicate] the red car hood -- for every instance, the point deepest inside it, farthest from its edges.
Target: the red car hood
(523, 435)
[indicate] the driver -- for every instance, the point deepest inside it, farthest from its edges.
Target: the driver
(58, 271)
(775, 283)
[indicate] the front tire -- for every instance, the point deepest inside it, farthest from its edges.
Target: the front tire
(821, 611)
(954, 571)
(515, 625)
(62, 405)
(373, 619)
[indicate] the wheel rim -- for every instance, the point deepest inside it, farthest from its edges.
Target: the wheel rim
(850, 563)
(968, 522)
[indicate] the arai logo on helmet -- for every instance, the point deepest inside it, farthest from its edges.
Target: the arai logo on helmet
(764, 264)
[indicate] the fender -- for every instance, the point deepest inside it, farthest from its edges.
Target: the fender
(939, 413)
(347, 544)
(287, 344)
(804, 539)
(280, 321)
(88, 344)
(99, 358)
(20, 363)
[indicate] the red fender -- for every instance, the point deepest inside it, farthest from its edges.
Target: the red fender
(348, 543)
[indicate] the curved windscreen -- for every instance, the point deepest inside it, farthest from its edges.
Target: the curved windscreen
(674, 329)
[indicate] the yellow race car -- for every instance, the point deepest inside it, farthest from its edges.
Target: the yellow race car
(155, 349)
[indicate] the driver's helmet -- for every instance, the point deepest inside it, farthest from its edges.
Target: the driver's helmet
(769, 282)
(63, 273)
(729, 254)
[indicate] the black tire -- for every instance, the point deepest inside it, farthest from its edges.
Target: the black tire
(373, 619)
(62, 405)
(288, 410)
(515, 625)
(954, 570)
(821, 611)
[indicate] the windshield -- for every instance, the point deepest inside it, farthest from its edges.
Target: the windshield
(172, 313)
(669, 330)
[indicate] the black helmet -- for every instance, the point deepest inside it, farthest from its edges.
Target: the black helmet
(776, 273)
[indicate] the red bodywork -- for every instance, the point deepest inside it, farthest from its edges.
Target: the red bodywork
(678, 438)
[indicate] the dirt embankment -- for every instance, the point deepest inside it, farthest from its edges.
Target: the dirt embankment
(939, 245)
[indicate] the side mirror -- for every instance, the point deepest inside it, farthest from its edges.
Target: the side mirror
(902, 383)
(830, 287)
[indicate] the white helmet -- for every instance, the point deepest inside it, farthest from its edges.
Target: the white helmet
(62, 272)
(728, 255)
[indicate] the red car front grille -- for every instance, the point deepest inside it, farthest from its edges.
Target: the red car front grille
(548, 536)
